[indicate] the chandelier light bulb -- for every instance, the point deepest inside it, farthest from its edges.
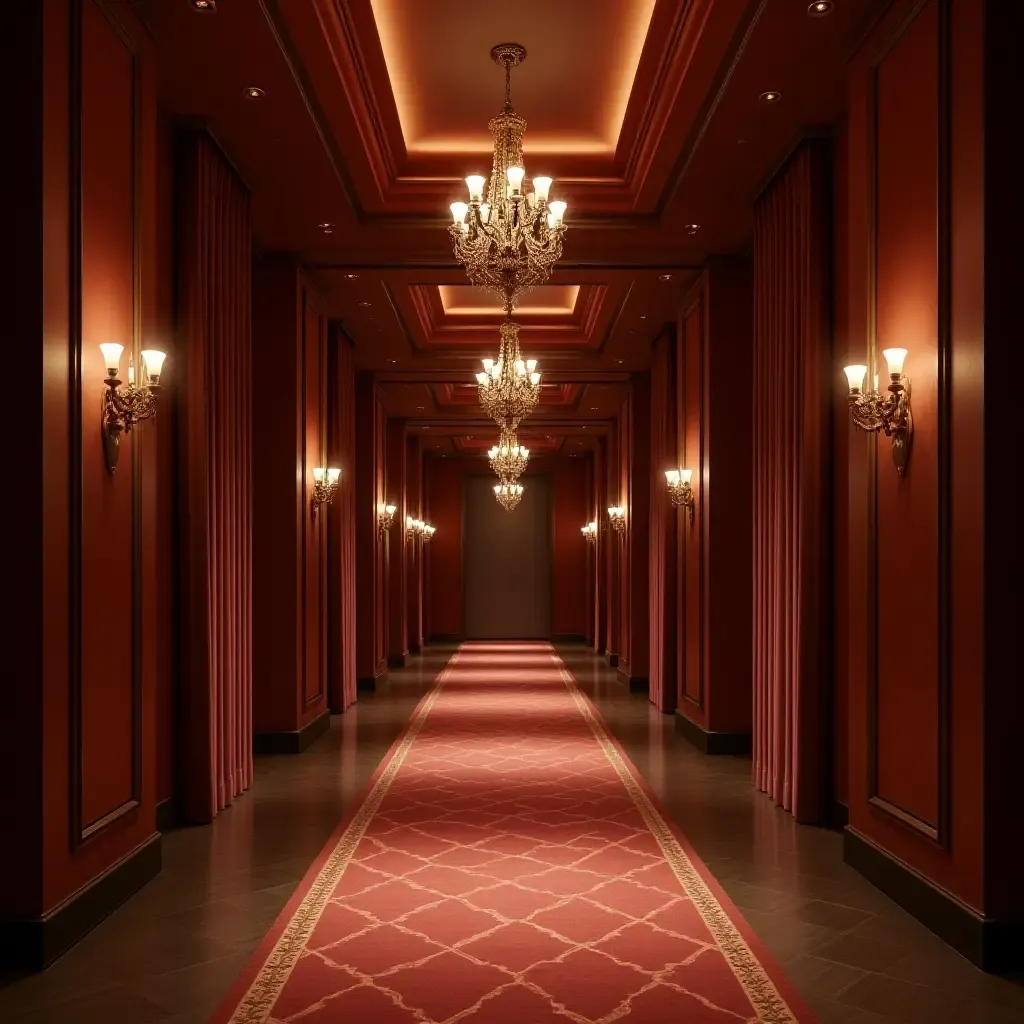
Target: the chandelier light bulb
(558, 209)
(542, 186)
(488, 363)
(535, 379)
(459, 211)
(895, 357)
(112, 357)
(520, 367)
(475, 184)
(485, 212)
(531, 365)
(515, 179)
(481, 378)
(855, 375)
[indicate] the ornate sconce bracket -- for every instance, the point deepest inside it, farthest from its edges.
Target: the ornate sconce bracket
(888, 413)
(325, 486)
(385, 517)
(124, 405)
(617, 518)
(680, 490)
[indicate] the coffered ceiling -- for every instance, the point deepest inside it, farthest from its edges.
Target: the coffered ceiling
(646, 112)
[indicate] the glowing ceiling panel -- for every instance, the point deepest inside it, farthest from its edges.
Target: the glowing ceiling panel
(547, 300)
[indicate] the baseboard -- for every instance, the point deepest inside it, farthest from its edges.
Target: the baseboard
(636, 684)
(415, 648)
(370, 684)
(445, 638)
(568, 638)
(34, 945)
(292, 742)
(167, 816)
(612, 659)
(839, 815)
(708, 742)
(397, 660)
(988, 943)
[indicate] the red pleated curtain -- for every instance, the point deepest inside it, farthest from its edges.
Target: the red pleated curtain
(663, 528)
(341, 690)
(792, 367)
(214, 315)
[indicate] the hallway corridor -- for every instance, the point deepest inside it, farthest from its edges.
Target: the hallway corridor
(171, 954)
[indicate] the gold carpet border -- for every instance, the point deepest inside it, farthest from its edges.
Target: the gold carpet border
(265, 989)
(760, 989)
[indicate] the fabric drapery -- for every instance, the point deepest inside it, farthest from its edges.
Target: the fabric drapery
(792, 345)
(214, 300)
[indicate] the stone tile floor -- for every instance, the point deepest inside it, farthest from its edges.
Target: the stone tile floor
(171, 952)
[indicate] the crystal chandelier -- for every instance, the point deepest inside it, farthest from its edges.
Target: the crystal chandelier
(508, 457)
(509, 388)
(508, 243)
(508, 494)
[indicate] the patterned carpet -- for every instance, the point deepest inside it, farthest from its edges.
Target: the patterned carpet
(507, 865)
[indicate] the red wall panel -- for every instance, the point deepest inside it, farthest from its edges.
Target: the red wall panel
(570, 509)
(398, 579)
(915, 767)
(443, 605)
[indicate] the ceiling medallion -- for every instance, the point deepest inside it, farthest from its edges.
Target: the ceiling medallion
(508, 494)
(509, 387)
(509, 242)
(508, 457)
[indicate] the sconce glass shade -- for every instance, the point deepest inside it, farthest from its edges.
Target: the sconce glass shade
(672, 476)
(333, 474)
(855, 375)
(390, 509)
(153, 361)
(111, 357)
(686, 475)
(318, 474)
(895, 357)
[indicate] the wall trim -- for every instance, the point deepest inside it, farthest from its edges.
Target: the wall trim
(35, 944)
(168, 815)
(397, 660)
(293, 742)
(568, 638)
(636, 684)
(445, 638)
(612, 659)
(370, 684)
(992, 945)
(713, 742)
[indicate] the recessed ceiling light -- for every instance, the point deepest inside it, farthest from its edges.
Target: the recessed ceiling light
(253, 92)
(326, 227)
(691, 229)
(593, 408)
(643, 316)
(349, 277)
(426, 426)
(364, 303)
(620, 361)
(741, 142)
(392, 361)
(420, 408)
(771, 96)
(204, 6)
(664, 277)
(820, 8)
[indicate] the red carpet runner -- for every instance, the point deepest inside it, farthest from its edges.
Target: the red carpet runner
(508, 866)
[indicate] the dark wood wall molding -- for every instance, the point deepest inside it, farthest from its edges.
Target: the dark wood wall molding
(708, 742)
(992, 945)
(937, 830)
(34, 945)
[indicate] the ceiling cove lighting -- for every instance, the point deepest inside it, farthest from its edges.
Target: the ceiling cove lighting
(508, 237)
(325, 486)
(125, 405)
(889, 413)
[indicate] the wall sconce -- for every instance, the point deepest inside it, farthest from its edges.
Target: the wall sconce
(679, 488)
(325, 483)
(617, 518)
(590, 532)
(385, 517)
(124, 405)
(889, 413)
(417, 528)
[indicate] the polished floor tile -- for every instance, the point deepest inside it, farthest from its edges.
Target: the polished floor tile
(171, 952)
